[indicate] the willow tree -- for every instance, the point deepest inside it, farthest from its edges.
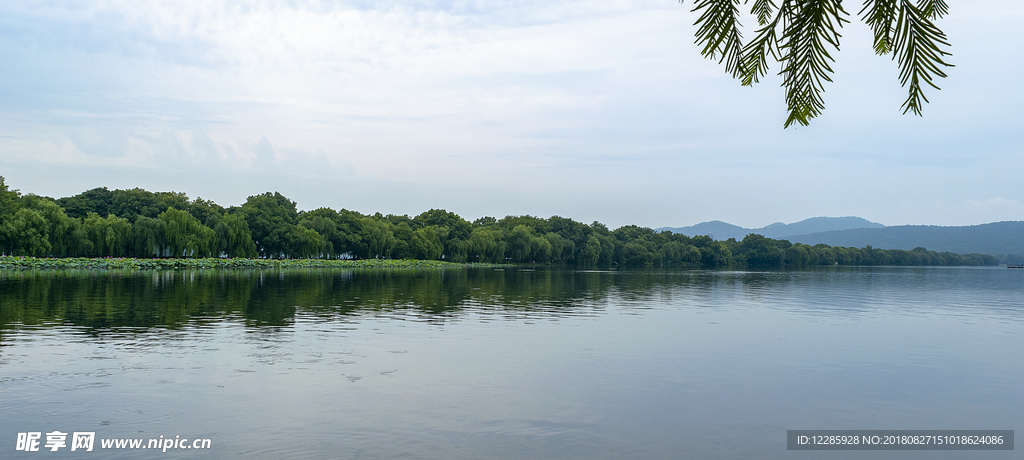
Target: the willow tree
(234, 239)
(379, 238)
(27, 233)
(57, 223)
(185, 236)
(802, 34)
(149, 236)
(486, 245)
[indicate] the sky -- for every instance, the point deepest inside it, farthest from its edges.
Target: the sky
(592, 110)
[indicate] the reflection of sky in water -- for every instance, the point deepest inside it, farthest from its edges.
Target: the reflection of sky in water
(520, 365)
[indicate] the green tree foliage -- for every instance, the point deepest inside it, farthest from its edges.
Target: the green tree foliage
(403, 234)
(78, 244)
(8, 199)
(590, 254)
(715, 253)
(341, 230)
(270, 226)
(8, 206)
(452, 230)
(802, 35)
(637, 254)
(27, 233)
(271, 218)
(107, 237)
(798, 255)
(57, 224)
(540, 249)
(349, 232)
(426, 245)
(486, 245)
(608, 251)
(97, 200)
(234, 239)
(94, 229)
(202, 209)
(539, 225)
(306, 243)
(118, 236)
(378, 237)
(185, 236)
(149, 237)
(134, 203)
(520, 243)
(563, 250)
(30, 225)
(679, 253)
(763, 252)
(324, 222)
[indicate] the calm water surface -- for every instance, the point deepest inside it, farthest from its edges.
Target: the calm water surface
(513, 364)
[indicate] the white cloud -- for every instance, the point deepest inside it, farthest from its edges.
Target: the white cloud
(490, 107)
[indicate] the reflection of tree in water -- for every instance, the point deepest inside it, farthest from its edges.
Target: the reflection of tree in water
(100, 300)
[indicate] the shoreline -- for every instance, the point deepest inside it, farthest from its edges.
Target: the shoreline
(24, 262)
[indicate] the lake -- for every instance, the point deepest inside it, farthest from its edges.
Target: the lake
(507, 364)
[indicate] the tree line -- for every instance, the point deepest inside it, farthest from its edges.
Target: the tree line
(144, 224)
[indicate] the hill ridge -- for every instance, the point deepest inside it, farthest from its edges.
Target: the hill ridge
(720, 230)
(994, 238)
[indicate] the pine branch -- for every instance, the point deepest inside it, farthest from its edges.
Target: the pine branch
(810, 29)
(719, 34)
(919, 51)
(755, 54)
(809, 33)
(763, 9)
(880, 15)
(933, 9)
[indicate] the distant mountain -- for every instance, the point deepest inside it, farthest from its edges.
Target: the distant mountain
(722, 231)
(716, 229)
(816, 225)
(996, 238)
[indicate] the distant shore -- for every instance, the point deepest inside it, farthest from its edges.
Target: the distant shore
(168, 230)
(17, 262)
